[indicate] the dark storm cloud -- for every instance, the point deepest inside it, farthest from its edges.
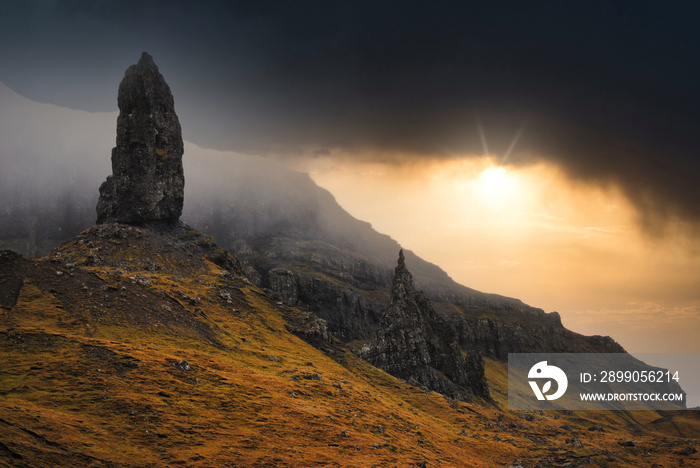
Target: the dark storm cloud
(608, 90)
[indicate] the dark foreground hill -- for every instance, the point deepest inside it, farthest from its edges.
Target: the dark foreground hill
(131, 346)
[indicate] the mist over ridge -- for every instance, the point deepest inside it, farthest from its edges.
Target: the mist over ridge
(54, 160)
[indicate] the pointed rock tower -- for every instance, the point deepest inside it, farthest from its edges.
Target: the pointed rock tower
(416, 344)
(147, 182)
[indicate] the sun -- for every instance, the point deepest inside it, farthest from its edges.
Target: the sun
(494, 186)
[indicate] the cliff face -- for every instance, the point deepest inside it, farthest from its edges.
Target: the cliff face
(350, 292)
(147, 182)
(525, 333)
(416, 344)
(349, 313)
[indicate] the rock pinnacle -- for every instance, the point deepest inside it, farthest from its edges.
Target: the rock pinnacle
(147, 182)
(415, 343)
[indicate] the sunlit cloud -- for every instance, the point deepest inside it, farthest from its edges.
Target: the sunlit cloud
(501, 265)
(529, 232)
(642, 326)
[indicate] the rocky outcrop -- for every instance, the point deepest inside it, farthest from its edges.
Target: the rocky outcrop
(524, 333)
(147, 182)
(350, 292)
(349, 313)
(416, 344)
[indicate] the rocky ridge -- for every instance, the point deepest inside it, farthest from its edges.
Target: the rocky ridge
(351, 291)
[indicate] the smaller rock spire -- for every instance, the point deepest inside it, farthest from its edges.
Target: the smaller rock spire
(415, 343)
(403, 285)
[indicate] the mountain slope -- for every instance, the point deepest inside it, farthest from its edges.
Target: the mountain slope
(138, 347)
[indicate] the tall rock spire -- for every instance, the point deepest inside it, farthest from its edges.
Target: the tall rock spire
(147, 182)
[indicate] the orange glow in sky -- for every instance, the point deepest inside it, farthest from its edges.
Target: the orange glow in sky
(532, 233)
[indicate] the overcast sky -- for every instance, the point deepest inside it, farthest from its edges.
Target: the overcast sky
(605, 90)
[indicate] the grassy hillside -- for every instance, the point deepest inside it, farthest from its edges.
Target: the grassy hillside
(129, 347)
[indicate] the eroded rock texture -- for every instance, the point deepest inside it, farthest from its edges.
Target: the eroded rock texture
(147, 182)
(416, 344)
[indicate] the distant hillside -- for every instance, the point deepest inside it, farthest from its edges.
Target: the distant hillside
(309, 251)
(250, 204)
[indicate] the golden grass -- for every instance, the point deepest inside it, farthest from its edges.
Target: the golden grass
(74, 389)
